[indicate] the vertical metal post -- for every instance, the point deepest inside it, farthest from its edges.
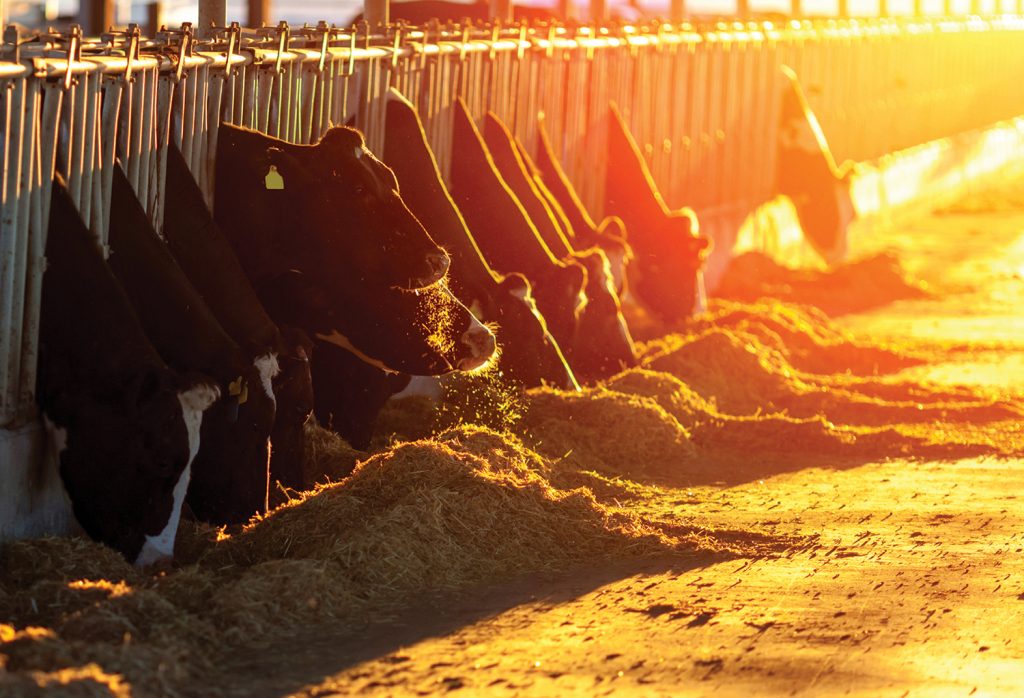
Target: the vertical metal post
(96, 16)
(258, 13)
(677, 10)
(500, 10)
(154, 17)
(377, 13)
(796, 8)
(742, 8)
(883, 8)
(212, 13)
(844, 9)
(598, 10)
(564, 9)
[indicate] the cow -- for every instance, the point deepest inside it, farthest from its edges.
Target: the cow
(318, 208)
(604, 345)
(665, 275)
(530, 356)
(609, 235)
(506, 237)
(205, 255)
(230, 472)
(426, 333)
(123, 427)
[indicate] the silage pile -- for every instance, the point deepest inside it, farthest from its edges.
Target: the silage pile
(541, 481)
(849, 287)
(467, 506)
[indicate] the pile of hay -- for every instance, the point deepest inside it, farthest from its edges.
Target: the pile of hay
(849, 287)
(470, 506)
(613, 433)
(740, 376)
(808, 339)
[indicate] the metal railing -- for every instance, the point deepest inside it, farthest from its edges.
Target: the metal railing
(702, 102)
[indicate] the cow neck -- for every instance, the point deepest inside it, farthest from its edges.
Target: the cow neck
(408, 153)
(175, 317)
(512, 169)
(205, 255)
(89, 334)
(630, 190)
(496, 218)
(557, 182)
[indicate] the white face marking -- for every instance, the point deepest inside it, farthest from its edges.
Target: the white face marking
(473, 338)
(617, 263)
(581, 302)
(522, 293)
(700, 303)
(58, 438)
(194, 402)
(161, 546)
(340, 340)
(422, 386)
(268, 368)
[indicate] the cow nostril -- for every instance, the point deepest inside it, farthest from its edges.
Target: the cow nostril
(481, 344)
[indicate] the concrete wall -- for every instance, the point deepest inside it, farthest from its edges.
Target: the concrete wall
(32, 498)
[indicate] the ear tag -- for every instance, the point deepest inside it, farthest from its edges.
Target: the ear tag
(240, 389)
(273, 180)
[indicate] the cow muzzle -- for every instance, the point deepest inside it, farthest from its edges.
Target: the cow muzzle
(481, 346)
(437, 266)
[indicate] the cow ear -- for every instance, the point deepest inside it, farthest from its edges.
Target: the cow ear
(343, 141)
(516, 284)
(614, 227)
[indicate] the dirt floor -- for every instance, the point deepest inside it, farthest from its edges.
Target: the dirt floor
(913, 584)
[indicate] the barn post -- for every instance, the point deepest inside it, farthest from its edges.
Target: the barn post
(212, 13)
(377, 13)
(742, 8)
(563, 8)
(96, 16)
(796, 8)
(154, 17)
(500, 10)
(843, 11)
(259, 13)
(598, 10)
(677, 11)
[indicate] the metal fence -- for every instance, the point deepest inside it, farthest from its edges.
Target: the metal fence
(702, 102)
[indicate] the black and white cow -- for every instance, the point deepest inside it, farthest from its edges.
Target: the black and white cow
(281, 356)
(124, 428)
(506, 237)
(229, 476)
(530, 356)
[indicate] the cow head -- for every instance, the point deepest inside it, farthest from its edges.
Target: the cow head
(427, 332)
(293, 389)
(235, 430)
(332, 210)
(142, 436)
(670, 284)
(530, 356)
(604, 345)
(561, 299)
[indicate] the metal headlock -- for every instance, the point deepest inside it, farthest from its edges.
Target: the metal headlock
(701, 100)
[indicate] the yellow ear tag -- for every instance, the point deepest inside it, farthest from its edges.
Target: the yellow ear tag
(273, 180)
(240, 388)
